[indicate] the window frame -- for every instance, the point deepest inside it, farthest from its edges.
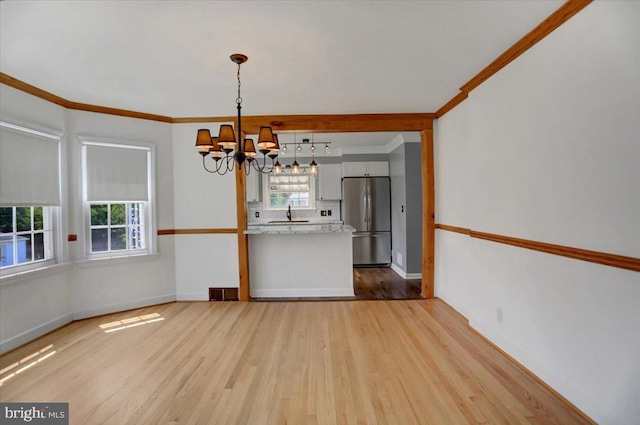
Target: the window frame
(128, 226)
(266, 190)
(149, 207)
(48, 236)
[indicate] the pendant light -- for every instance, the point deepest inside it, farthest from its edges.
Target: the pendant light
(295, 166)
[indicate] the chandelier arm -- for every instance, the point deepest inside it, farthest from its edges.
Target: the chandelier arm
(264, 165)
(258, 167)
(230, 163)
(204, 164)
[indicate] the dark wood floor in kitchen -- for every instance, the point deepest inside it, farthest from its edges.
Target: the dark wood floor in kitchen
(382, 283)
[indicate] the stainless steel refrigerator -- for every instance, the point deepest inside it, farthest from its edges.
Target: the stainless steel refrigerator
(366, 205)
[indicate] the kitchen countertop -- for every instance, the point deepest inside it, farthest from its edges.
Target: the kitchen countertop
(272, 229)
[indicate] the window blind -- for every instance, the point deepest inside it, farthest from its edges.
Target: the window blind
(29, 167)
(116, 173)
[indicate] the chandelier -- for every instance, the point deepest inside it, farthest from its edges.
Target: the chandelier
(227, 152)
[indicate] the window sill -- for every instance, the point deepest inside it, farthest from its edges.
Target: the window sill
(118, 259)
(33, 273)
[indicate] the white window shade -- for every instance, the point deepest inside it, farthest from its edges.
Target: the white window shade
(117, 173)
(29, 167)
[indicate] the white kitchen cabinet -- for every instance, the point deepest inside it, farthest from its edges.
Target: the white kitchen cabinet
(330, 182)
(253, 187)
(365, 169)
(378, 168)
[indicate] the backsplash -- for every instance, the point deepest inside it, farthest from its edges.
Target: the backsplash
(314, 216)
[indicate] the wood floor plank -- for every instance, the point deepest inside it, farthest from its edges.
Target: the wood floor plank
(323, 362)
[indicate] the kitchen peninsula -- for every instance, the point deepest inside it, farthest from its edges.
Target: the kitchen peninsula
(300, 260)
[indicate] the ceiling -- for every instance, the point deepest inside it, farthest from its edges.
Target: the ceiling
(305, 57)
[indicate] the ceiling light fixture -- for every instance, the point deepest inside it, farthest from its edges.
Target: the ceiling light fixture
(295, 166)
(226, 142)
(313, 167)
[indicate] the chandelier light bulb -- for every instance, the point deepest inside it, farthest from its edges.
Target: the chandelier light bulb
(327, 149)
(299, 148)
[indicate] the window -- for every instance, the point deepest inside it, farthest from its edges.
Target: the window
(117, 227)
(117, 199)
(25, 235)
(287, 189)
(30, 192)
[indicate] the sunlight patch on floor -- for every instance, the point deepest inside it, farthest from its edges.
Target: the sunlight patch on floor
(131, 322)
(26, 363)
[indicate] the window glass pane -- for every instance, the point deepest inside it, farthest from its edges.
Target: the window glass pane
(24, 248)
(6, 250)
(6, 220)
(137, 237)
(279, 199)
(99, 240)
(38, 223)
(99, 215)
(38, 246)
(135, 214)
(118, 238)
(118, 214)
(23, 219)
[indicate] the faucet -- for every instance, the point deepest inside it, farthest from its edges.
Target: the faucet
(289, 213)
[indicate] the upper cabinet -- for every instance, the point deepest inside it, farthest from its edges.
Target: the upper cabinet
(329, 182)
(253, 187)
(365, 169)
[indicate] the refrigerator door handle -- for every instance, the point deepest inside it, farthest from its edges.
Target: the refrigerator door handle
(369, 209)
(366, 203)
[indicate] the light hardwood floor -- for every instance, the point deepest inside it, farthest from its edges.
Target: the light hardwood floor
(323, 362)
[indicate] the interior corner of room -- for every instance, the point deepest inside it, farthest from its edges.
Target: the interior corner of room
(478, 160)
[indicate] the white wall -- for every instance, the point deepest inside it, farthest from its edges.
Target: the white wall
(548, 149)
(101, 287)
(202, 200)
(32, 307)
(38, 302)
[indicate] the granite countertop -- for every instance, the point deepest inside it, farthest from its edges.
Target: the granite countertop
(292, 223)
(298, 228)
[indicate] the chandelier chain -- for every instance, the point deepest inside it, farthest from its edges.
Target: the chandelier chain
(239, 98)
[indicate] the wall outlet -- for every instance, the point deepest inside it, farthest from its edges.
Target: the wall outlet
(257, 214)
(323, 213)
(499, 315)
(328, 212)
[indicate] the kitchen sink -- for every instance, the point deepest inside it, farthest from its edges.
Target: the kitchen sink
(288, 221)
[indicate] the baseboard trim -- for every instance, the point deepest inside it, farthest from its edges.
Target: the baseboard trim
(404, 275)
(192, 296)
(302, 293)
(130, 305)
(34, 333)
